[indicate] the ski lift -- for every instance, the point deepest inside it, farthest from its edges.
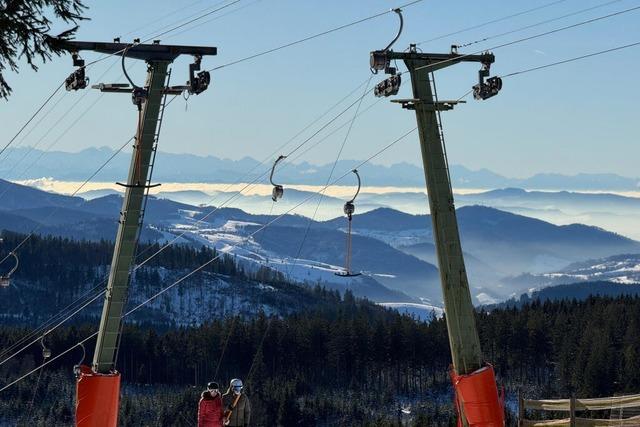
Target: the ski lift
(379, 60)
(76, 80)
(46, 352)
(5, 280)
(349, 210)
(485, 90)
(278, 190)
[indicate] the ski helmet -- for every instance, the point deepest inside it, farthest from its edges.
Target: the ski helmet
(236, 384)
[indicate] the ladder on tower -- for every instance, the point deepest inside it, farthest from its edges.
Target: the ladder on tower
(154, 152)
(432, 82)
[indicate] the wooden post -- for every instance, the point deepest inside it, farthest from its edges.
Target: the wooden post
(572, 410)
(521, 411)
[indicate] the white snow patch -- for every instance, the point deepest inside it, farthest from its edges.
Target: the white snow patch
(485, 299)
(425, 312)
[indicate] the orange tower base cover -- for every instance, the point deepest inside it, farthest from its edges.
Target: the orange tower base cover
(477, 398)
(97, 398)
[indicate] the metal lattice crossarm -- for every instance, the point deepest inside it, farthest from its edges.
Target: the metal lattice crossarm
(146, 52)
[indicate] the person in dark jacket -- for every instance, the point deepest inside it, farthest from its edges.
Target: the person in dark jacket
(237, 407)
(210, 412)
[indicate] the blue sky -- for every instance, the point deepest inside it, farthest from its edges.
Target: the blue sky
(580, 117)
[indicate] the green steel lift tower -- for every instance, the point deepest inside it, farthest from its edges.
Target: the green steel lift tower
(470, 372)
(98, 385)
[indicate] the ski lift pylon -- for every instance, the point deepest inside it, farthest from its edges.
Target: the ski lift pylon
(349, 210)
(278, 190)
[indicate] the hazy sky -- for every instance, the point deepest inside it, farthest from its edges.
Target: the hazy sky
(580, 117)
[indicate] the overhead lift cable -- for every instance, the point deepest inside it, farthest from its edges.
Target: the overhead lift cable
(83, 66)
(550, 32)
(34, 127)
(76, 191)
(564, 61)
(139, 265)
(224, 65)
(33, 116)
(197, 18)
(584, 56)
(201, 267)
(539, 68)
(537, 24)
(263, 175)
(576, 58)
(33, 231)
(51, 145)
(313, 36)
(535, 36)
(269, 223)
(81, 300)
(493, 21)
(148, 39)
(333, 168)
(102, 59)
(170, 14)
(215, 18)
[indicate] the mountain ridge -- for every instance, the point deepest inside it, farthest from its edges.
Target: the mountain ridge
(171, 166)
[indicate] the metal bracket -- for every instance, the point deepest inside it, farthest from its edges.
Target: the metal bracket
(113, 87)
(137, 185)
(410, 104)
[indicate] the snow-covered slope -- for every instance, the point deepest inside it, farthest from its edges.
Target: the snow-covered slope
(622, 269)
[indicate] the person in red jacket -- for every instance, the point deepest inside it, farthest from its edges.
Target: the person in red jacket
(210, 407)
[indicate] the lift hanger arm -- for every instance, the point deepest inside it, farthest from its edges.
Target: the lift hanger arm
(278, 190)
(395, 39)
(273, 169)
(359, 185)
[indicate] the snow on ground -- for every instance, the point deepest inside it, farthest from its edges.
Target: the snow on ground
(424, 312)
(625, 280)
(485, 299)
(231, 237)
(624, 269)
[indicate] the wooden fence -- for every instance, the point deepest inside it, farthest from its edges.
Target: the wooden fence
(625, 411)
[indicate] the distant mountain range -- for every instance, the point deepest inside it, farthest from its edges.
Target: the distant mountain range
(191, 168)
(609, 211)
(394, 250)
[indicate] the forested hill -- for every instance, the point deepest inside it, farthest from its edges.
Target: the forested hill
(54, 272)
(345, 363)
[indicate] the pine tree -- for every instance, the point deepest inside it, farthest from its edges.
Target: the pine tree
(24, 32)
